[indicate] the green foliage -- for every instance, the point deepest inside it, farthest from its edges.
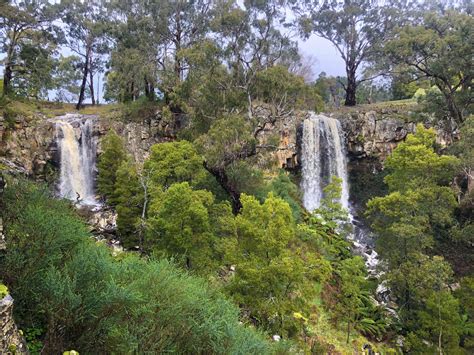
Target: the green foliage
(246, 178)
(28, 42)
(409, 221)
(174, 162)
(225, 140)
(268, 255)
(355, 28)
(35, 55)
(113, 154)
(284, 188)
(92, 302)
(402, 90)
(433, 312)
(3, 290)
(414, 163)
(418, 204)
(346, 292)
(276, 85)
(331, 209)
(181, 225)
(33, 339)
(464, 150)
(330, 89)
(66, 78)
(130, 197)
(439, 48)
(465, 294)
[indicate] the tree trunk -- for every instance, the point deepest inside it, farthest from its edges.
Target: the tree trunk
(8, 72)
(91, 81)
(149, 90)
(454, 111)
(84, 79)
(177, 44)
(223, 180)
(7, 78)
(351, 87)
(98, 90)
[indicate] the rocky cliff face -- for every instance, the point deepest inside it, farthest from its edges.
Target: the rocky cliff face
(29, 145)
(376, 134)
(369, 134)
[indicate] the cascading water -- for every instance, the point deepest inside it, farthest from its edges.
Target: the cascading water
(323, 155)
(77, 148)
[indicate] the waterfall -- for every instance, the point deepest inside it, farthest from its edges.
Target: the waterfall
(77, 148)
(323, 156)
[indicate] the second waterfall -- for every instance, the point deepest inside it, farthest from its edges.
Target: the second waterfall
(323, 156)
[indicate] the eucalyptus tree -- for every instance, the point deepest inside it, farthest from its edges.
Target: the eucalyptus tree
(249, 38)
(21, 23)
(354, 27)
(151, 43)
(85, 26)
(252, 40)
(439, 47)
(133, 62)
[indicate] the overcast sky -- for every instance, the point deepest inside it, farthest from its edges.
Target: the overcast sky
(326, 57)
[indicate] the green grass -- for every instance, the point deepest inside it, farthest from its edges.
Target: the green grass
(398, 105)
(26, 109)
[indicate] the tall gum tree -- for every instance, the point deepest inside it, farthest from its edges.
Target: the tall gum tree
(85, 35)
(354, 27)
(439, 47)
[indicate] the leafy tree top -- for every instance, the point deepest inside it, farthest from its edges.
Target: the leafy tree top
(414, 163)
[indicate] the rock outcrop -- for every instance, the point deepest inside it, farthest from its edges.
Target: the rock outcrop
(29, 145)
(26, 144)
(371, 134)
(11, 340)
(376, 133)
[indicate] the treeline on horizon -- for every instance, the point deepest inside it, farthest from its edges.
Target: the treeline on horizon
(182, 52)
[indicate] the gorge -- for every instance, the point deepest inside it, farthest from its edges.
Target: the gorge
(320, 145)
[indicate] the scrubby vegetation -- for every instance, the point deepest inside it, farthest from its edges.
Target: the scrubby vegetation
(220, 254)
(77, 295)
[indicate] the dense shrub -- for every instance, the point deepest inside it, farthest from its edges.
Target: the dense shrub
(93, 302)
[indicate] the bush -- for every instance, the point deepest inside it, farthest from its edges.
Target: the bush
(3, 291)
(113, 156)
(88, 300)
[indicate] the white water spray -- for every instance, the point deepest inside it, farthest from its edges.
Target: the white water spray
(77, 148)
(323, 156)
